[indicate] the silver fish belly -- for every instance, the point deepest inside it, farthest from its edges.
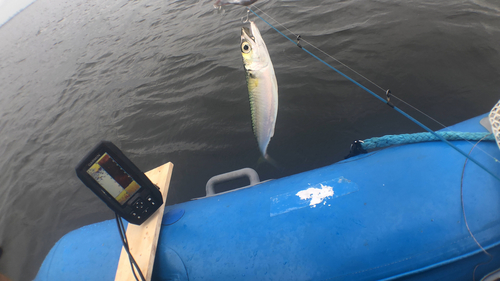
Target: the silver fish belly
(262, 85)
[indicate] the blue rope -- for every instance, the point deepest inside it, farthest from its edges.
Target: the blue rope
(389, 140)
(383, 100)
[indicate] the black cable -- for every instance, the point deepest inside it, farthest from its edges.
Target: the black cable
(133, 264)
(121, 230)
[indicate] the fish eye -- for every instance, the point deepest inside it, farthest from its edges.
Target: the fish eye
(245, 47)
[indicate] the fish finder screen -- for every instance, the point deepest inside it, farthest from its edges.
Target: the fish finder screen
(113, 178)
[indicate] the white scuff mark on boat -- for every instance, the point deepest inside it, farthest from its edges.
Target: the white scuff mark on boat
(317, 195)
(312, 194)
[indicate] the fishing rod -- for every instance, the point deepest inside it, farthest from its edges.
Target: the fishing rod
(386, 101)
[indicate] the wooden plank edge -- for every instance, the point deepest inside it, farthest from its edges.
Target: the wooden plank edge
(143, 239)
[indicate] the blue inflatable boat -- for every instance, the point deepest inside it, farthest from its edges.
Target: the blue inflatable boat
(392, 214)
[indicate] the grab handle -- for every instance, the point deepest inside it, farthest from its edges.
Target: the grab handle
(245, 172)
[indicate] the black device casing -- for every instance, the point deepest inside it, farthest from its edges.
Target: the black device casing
(141, 205)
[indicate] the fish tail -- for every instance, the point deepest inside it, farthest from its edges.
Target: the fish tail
(268, 159)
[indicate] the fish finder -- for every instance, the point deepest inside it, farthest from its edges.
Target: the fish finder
(119, 183)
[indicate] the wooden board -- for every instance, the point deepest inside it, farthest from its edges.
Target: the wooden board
(143, 238)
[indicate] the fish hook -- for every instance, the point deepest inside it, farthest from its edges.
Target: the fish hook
(247, 20)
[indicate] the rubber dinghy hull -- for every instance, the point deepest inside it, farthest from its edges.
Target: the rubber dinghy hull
(394, 213)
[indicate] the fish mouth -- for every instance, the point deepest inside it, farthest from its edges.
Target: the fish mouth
(246, 34)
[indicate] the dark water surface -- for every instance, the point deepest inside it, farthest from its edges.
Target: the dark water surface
(164, 81)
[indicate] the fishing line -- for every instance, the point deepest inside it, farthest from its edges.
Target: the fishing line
(465, 217)
(357, 73)
(365, 78)
(442, 125)
(346, 66)
(421, 112)
(380, 98)
(318, 49)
